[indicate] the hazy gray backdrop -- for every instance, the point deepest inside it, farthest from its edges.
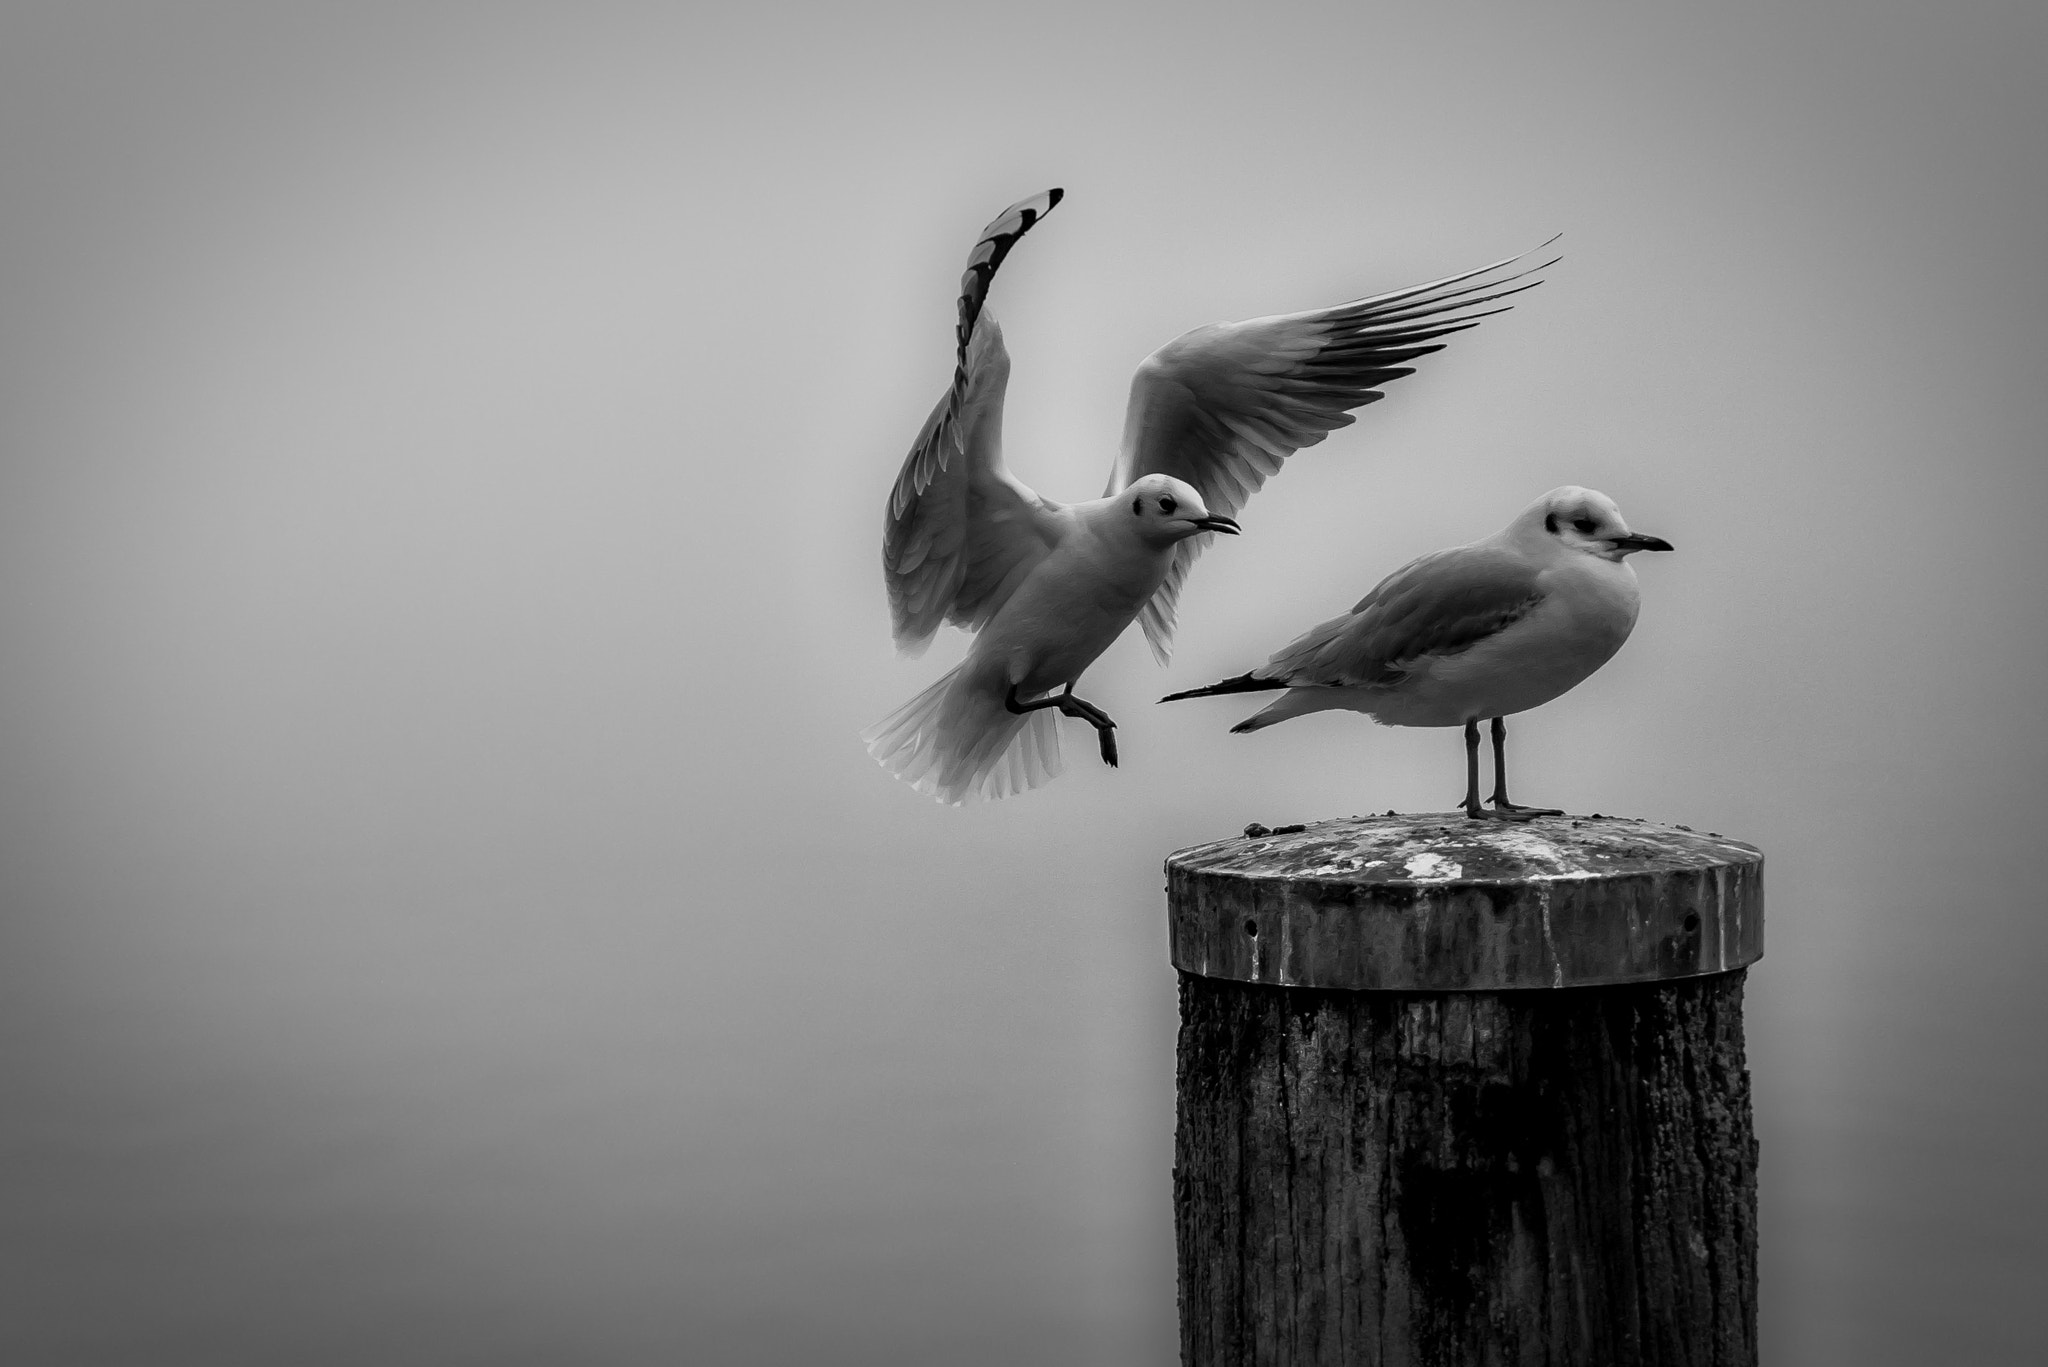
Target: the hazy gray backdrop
(448, 915)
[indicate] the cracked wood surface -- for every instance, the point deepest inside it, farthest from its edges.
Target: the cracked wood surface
(1453, 1092)
(1528, 1178)
(1433, 901)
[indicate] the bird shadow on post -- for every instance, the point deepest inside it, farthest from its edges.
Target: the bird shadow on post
(1462, 1092)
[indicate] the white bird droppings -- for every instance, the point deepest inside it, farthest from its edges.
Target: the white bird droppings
(1433, 866)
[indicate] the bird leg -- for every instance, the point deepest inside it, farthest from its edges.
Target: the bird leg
(1471, 802)
(1105, 729)
(1500, 779)
(1473, 809)
(1071, 706)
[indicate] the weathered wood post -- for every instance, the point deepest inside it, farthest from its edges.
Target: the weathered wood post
(1461, 1092)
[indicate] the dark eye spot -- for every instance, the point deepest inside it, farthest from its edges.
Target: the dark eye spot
(1585, 525)
(1167, 504)
(1550, 523)
(1138, 505)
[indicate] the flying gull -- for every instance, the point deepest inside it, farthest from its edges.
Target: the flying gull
(1479, 631)
(1048, 586)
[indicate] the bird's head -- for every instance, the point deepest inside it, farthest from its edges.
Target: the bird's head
(1586, 521)
(1165, 510)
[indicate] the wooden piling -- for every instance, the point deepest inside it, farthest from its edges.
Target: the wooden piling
(1460, 1092)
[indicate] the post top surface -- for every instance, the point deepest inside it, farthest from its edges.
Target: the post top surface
(1439, 902)
(1424, 849)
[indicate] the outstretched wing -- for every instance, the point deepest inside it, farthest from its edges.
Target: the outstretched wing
(962, 532)
(1221, 407)
(1440, 604)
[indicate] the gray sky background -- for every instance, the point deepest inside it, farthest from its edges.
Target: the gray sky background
(449, 917)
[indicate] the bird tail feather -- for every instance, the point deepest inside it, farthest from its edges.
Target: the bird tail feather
(957, 740)
(1295, 702)
(1243, 683)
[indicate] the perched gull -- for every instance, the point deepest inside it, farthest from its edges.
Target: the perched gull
(1048, 586)
(1485, 630)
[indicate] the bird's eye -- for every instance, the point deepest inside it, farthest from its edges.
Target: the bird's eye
(1138, 506)
(1584, 525)
(1167, 505)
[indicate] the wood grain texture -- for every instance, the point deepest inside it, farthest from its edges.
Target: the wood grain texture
(1437, 902)
(1538, 1177)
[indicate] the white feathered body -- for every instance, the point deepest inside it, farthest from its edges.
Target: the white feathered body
(1474, 632)
(959, 738)
(1078, 600)
(1588, 609)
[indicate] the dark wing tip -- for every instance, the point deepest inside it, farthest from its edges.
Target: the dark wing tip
(1015, 221)
(990, 248)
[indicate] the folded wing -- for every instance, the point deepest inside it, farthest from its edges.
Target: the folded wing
(1441, 604)
(962, 532)
(1222, 406)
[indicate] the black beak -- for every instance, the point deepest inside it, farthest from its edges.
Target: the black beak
(1635, 541)
(1217, 523)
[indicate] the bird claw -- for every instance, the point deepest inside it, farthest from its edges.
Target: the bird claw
(1517, 814)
